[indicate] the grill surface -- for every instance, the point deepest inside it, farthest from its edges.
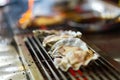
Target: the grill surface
(99, 69)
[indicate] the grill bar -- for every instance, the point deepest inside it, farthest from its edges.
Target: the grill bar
(107, 67)
(104, 72)
(45, 60)
(98, 69)
(42, 66)
(94, 73)
(47, 56)
(87, 74)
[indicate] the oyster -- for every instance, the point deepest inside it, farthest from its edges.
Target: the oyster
(66, 48)
(71, 52)
(43, 33)
(60, 35)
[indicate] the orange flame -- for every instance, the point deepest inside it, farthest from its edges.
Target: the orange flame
(28, 14)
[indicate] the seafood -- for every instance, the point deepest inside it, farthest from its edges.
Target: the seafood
(60, 35)
(71, 52)
(66, 48)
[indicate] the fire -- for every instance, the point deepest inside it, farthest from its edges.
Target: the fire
(28, 14)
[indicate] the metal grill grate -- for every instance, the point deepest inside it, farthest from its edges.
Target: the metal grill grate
(98, 69)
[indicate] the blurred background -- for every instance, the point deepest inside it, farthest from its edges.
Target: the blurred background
(98, 20)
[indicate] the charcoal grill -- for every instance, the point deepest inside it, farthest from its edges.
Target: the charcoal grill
(39, 65)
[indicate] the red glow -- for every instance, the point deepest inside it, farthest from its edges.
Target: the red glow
(80, 73)
(43, 27)
(72, 72)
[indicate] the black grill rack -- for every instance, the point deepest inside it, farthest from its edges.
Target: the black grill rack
(99, 69)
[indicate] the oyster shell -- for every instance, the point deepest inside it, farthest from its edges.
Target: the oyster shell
(71, 52)
(66, 48)
(43, 33)
(60, 35)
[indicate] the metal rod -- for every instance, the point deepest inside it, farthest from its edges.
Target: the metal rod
(48, 64)
(39, 43)
(48, 76)
(110, 70)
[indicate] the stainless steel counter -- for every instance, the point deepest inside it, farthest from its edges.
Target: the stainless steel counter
(10, 65)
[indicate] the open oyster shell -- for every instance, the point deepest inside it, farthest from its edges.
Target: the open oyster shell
(60, 35)
(71, 52)
(43, 33)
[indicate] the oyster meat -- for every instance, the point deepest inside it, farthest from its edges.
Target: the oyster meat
(60, 35)
(66, 48)
(71, 52)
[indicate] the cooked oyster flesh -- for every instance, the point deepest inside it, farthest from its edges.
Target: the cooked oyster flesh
(61, 35)
(74, 51)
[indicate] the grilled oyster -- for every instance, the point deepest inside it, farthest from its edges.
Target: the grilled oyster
(71, 52)
(51, 39)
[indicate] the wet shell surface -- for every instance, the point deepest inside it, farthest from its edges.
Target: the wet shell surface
(61, 35)
(71, 52)
(66, 48)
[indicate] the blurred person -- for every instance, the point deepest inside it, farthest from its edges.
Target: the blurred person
(45, 11)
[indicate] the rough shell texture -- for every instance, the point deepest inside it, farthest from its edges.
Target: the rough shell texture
(71, 52)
